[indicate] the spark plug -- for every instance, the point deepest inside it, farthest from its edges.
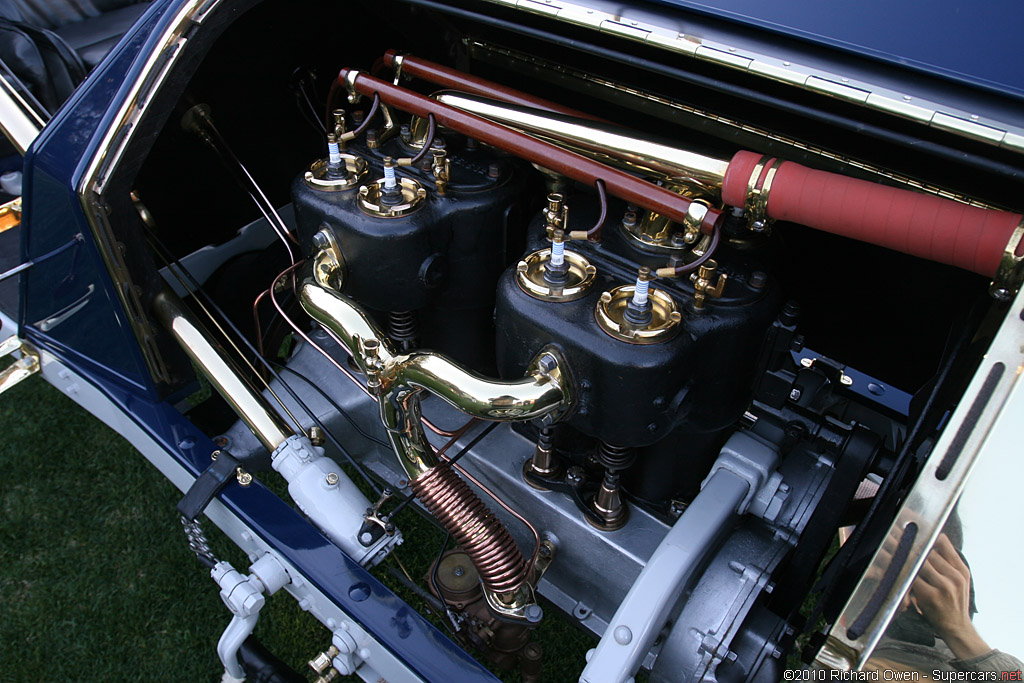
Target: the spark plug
(391, 193)
(638, 310)
(556, 271)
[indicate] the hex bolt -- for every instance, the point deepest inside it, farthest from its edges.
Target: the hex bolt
(533, 613)
(405, 132)
(331, 478)
(574, 476)
(547, 363)
(758, 279)
(493, 171)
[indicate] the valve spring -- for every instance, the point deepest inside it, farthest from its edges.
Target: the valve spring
(481, 535)
(403, 328)
(615, 457)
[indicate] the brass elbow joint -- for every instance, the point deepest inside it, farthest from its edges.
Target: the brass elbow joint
(545, 392)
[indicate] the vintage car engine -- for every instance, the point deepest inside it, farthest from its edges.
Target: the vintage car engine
(639, 360)
(666, 422)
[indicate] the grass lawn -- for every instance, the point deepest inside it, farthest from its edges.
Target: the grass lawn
(96, 579)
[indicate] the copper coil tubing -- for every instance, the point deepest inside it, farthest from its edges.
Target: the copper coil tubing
(481, 535)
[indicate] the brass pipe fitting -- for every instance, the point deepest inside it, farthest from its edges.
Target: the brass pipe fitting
(397, 380)
(545, 392)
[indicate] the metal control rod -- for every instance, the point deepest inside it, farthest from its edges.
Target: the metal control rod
(242, 396)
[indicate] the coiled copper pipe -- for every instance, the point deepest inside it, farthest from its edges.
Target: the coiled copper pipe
(474, 527)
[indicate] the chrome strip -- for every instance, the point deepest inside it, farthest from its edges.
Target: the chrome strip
(865, 94)
(19, 121)
(113, 144)
(977, 434)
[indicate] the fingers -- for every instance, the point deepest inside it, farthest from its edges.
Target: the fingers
(945, 549)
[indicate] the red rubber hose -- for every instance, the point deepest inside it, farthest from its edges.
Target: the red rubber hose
(922, 225)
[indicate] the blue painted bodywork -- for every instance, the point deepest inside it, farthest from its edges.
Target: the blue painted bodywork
(965, 42)
(98, 343)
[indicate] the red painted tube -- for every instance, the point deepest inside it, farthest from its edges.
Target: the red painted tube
(558, 159)
(922, 225)
(457, 80)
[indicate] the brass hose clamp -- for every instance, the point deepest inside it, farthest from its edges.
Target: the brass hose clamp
(396, 63)
(350, 86)
(1010, 273)
(756, 204)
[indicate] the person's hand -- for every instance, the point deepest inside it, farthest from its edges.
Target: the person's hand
(941, 593)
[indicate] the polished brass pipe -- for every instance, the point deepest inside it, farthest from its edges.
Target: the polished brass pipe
(398, 379)
(614, 145)
(214, 363)
(524, 399)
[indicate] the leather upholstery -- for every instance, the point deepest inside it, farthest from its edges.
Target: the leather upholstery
(51, 44)
(93, 38)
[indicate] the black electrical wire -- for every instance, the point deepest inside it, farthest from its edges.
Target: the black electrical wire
(427, 141)
(312, 116)
(472, 444)
(602, 195)
(172, 260)
(355, 425)
(369, 117)
(433, 578)
(465, 449)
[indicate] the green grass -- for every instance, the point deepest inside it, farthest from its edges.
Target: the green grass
(96, 580)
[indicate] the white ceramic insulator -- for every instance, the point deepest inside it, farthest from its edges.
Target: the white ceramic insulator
(640, 293)
(389, 177)
(333, 153)
(557, 253)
